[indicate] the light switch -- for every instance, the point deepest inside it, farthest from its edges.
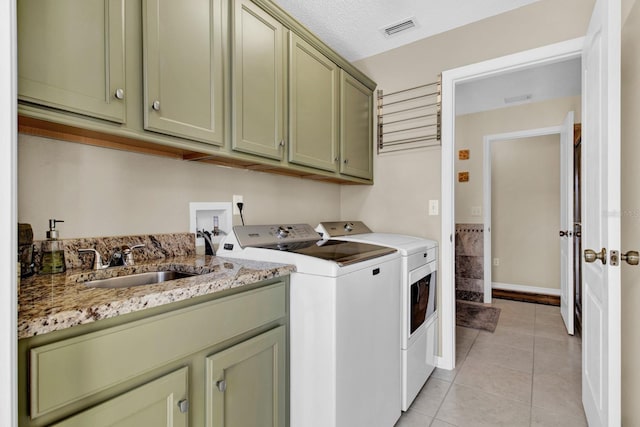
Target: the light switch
(433, 207)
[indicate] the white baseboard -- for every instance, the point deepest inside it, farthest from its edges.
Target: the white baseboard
(525, 288)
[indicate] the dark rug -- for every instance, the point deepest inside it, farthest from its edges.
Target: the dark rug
(476, 316)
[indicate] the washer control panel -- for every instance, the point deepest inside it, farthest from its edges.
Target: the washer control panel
(342, 228)
(266, 235)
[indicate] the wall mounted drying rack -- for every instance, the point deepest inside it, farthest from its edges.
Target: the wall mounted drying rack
(409, 118)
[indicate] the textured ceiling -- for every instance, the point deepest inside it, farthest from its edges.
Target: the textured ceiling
(353, 28)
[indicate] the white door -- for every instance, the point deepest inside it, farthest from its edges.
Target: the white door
(601, 215)
(566, 223)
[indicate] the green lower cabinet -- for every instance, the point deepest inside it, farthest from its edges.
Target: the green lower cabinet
(246, 383)
(162, 402)
(163, 368)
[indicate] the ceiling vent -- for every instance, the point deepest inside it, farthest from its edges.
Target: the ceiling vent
(398, 27)
(519, 98)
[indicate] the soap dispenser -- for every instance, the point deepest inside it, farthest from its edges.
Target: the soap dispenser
(52, 251)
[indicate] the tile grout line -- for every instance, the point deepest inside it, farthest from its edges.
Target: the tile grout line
(533, 365)
(452, 381)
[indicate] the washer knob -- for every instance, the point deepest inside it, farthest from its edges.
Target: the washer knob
(348, 226)
(282, 232)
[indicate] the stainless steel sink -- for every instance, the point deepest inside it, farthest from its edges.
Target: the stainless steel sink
(138, 279)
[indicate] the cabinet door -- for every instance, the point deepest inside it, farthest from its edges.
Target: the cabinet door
(161, 402)
(313, 106)
(184, 68)
(246, 384)
(356, 127)
(71, 56)
(258, 81)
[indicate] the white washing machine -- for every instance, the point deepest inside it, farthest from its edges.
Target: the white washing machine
(344, 323)
(418, 298)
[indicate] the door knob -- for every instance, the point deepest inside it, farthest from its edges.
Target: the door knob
(591, 255)
(631, 257)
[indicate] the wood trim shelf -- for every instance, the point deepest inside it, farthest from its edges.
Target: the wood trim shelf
(38, 127)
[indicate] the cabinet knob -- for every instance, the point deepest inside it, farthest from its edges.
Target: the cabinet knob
(281, 143)
(222, 385)
(119, 93)
(346, 161)
(156, 105)
(183, 405)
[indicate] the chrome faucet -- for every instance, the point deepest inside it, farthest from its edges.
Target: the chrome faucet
(209, 248)
(127, 253)
(122, 256)
(97, 259)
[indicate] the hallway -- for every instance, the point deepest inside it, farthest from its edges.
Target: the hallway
(526, 373)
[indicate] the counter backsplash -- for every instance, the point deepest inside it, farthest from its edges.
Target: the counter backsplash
(157, 246)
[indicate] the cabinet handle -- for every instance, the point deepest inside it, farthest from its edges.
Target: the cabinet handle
(156, 105)
(184, 406)
(119, 93)
(222, 385)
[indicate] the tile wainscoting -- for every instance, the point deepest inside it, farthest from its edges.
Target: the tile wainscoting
(470, 262)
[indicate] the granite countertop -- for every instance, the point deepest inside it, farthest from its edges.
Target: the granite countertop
(49, 303)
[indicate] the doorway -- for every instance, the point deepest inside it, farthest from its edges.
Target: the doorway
(450, 80)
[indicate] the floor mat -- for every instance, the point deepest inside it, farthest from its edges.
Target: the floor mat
(476, 316)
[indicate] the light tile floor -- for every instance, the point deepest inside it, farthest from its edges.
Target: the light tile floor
(526, 373)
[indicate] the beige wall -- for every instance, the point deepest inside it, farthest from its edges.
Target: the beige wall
(406, 181)
(472, 128)
(630, 216)
(525, 210)
(104, 192)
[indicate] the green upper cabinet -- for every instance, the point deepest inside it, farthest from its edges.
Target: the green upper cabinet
(258, 87)
(71, 56)
(162, 402)
(183, 57)
(356, 127)
(246, 384)
(313, 106)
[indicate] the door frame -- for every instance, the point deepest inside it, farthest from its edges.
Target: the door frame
(8, 213)
(488, 141)
(530, 58)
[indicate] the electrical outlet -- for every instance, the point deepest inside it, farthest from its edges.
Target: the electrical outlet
(476, 211)
(433, 207)
(236, 199)
(496, 262)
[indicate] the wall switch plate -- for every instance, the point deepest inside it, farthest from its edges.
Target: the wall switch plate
(496, 262)
(476, 211)
(433, 207)
(236, 199)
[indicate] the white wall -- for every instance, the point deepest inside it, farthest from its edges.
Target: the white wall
(405, 181)
(472, 128)
(525, 211)
(105, 192)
